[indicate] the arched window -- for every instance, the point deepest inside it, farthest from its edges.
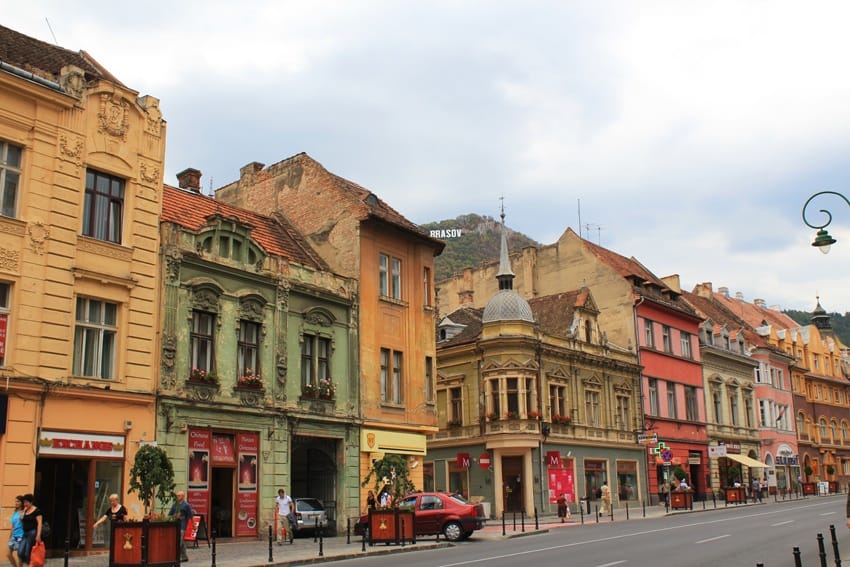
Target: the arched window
(822, 424)
(844, 431)
(801, 431)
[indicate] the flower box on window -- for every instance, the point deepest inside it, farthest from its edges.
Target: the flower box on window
(250, 381)
(561, 419)
(199, 376)
(511, 415)
(326, 389)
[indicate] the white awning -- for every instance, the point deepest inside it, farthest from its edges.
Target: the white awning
(747, 461)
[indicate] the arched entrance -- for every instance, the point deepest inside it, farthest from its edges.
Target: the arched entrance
(314, 471)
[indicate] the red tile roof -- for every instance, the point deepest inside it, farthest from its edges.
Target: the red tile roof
(274, 234)
(721, 316)
(554, 313)
(45, 59)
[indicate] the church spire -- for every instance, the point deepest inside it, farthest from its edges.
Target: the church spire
(505, 275)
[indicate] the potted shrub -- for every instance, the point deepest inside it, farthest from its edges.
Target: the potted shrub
(391, 474)
(326, 388)
(203, 377)
(152, 477)
(734, 493)
(250, 381)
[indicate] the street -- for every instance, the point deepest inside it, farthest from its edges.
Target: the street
(750, 535)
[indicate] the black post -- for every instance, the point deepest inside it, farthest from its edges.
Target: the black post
(835, 546)
(714, 498)
(514, 521)
(213, 547)
(402, 531)
(821, 551)
(627, 510)
(596, 511)
(503, 523)
(703, 501)
(798, 561)
(522, 519)
(271, 542)
(363, 539)
(643, 505)
(581, 512)
(536, 521)
(315, 531)
(144, 543)
(612, 511)
(321, 542)
(347, 531)
(68, 546)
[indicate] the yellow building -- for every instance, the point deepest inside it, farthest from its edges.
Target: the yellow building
(362, 237)
(81, 157)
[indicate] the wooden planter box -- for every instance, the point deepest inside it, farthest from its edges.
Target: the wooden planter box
(392, 526)
(682, 500)
(736, 495)
(155, 544)
(810, 488)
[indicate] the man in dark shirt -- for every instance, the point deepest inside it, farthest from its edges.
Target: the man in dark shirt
(183, 512)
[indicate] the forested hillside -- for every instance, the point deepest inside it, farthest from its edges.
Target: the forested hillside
(479, 242)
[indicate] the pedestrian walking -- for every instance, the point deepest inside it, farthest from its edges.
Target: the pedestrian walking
(606, 498)
(563, 507)
(285, 510)
(181, 510)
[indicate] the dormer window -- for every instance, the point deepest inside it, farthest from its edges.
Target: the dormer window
(231, 241)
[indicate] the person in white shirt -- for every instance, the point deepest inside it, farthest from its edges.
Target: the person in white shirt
(285, 509)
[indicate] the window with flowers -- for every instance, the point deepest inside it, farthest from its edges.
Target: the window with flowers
(249, 379)
(315, 362)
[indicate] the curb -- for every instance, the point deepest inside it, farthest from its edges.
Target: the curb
(357, 555)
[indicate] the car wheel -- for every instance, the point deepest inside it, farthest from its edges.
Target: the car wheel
(453, 531)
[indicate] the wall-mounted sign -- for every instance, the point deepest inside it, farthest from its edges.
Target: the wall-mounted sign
(79, 444)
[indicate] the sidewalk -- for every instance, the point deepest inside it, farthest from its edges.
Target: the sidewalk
(255, 553)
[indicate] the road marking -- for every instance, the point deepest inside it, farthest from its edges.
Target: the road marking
(781, 523)
(712, 539)
(612, 563)
(827, 513)
(783, 511)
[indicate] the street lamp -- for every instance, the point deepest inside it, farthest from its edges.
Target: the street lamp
(823, 241)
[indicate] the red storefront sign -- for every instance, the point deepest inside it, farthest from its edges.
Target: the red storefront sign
(463, 460)
(247, 445)
(553, 458)
(562, 481)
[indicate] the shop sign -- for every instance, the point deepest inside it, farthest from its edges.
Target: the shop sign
(463, 460)
(793, 460)
(246, 500)
(716, 451)
(80, 444)
(553, 458)
(734, 448)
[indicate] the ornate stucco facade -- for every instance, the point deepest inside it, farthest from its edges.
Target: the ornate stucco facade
(82, 156)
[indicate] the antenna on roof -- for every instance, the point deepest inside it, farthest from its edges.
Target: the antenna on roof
(51, 31)
(589, 226)
(211, 186)
(579, 217)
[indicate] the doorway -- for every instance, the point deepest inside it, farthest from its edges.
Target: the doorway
(512, 483)
(221, 511)
(314, 472)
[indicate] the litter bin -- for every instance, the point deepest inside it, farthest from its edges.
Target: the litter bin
(584, 502)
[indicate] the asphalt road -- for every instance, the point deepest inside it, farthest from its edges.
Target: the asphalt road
(762, 534)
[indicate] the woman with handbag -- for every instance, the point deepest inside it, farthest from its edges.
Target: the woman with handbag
(17, 532)
(32, 521)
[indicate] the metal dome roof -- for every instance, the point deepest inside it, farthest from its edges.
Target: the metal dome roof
(507, 305)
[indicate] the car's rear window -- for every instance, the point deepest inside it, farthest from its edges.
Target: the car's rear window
(458, 498)
(309, 504)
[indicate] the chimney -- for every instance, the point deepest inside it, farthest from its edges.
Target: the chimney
(248, 171)
(760, 303)
(704, 289)
(739, 296)
(672, 281)
(723, 290)
(465, 298)
(190, 178)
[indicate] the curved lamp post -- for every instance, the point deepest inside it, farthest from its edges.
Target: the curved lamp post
(823, 240)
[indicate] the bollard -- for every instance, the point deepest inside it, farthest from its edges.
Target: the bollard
(714, 499)
(522, 519)
(67, 554)
(835, 546)
(612, 511)
(821, 551)
(798, 561)
(271, 543)
(643, 505)
(402, 532)
(596, 510)
(144, 546)
(627, 510)
(536, 522)
(775, 498)
(581, 513)
(321, 542)
(213, 548)
(514, 521)
(363, 539)
(347, 531)
(315, 530)
(503, 522)
(703, 501)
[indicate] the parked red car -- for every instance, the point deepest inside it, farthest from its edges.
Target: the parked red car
(439, 513)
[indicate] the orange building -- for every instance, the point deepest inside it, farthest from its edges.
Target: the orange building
(362, 237)
(81, 157)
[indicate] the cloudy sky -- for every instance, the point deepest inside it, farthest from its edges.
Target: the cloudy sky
(690, 132)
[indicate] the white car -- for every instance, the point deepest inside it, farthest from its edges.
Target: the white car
(310, 513)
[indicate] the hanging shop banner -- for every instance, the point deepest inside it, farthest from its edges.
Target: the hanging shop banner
(553, 458)
(198, 483)
(562, 481)
(222, 450)
(463, 460)
(79, 444)
(247, 445)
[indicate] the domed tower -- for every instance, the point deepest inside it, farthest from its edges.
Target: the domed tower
(507, 304)
(820, 318)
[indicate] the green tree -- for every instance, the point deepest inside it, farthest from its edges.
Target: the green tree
(152, 476)
(390, 473)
